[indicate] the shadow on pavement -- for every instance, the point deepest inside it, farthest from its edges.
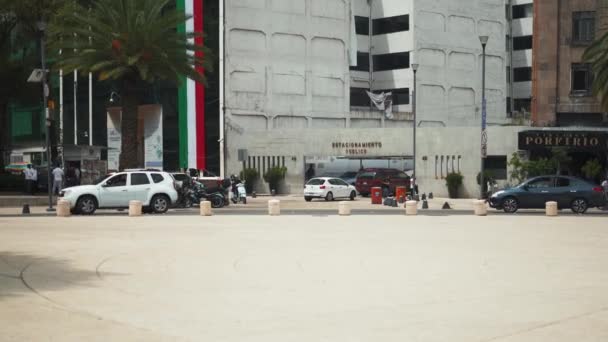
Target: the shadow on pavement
(24, 273)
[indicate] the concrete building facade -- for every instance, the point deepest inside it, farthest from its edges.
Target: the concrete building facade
(293, 97)
(562, 81)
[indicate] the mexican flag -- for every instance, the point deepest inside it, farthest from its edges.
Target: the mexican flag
(191, 100)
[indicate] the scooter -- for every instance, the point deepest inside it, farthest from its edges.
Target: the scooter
(239, 193)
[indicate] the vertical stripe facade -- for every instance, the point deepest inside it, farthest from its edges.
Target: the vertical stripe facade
(191, 99)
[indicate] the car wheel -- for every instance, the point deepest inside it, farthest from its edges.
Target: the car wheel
(160, 204)
(579, 206)
(307, 198)
(86, 205)
(510, 205)
(329, 196)
(352, 195)
(216, 202)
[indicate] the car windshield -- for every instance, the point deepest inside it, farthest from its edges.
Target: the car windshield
(349, 174)
(367, 175)
(316, 181)
(102, 178)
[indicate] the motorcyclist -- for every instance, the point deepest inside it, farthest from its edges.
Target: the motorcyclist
(234, 182)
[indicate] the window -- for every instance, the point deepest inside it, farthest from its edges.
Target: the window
(401, 96)
(139, 179)
(392, 61)
(337, 182)
(118, 180)
(157, 177)
(522, 74)
(316, 181)
(583, 27)
(507, 43)
(522, 105)
(508, 105)
(359, 98)
(582, 79)
(522, 43)
(497, 166)
(391, 24)
(523, 11)
(562, 182)
(367, 175)
(402, 175)
(362, 25)
(362, 62)
(543, 182)
(508, 74)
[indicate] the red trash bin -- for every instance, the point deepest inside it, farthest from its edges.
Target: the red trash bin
(401, 193)
(376, 195)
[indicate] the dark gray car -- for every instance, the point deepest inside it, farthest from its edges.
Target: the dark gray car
(569, 192)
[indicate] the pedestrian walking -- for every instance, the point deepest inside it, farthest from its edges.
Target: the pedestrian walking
(57, 180)
(310, 173)
(605, 188)
(77, 174)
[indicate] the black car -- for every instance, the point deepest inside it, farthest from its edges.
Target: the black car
(569, 192)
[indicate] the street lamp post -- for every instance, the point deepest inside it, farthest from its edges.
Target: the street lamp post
(484, 134)
(45, 95)
(414, 94)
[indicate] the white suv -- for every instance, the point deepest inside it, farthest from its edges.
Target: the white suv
(155, 189)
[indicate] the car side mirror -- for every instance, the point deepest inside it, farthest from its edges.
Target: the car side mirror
(104, 185)
(525, 187)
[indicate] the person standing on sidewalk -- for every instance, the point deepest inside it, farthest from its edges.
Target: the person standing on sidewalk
(34, 178)
(57, 180)
(28, 179)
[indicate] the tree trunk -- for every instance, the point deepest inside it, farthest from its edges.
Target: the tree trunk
(129, 144)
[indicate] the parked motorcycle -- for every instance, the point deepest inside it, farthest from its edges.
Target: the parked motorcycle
(197, 193)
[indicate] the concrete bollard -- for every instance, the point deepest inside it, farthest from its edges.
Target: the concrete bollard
(411, 208)
(205, 207)
(274, 208)
(344, 208)
(551, 208)
(480, 208)
(135, 208)
(63, 208)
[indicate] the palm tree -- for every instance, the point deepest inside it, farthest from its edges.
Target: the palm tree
(597, 55)
(133, 43)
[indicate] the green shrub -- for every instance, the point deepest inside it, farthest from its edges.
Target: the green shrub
(453, 181)
(249, 176)
(592, 169)
(274, 176)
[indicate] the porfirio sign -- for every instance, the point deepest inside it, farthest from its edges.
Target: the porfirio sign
(582, 140)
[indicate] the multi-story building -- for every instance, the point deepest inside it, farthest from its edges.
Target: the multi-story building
(563, 102)
(296, 73)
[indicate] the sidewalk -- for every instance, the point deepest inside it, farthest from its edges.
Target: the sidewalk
(11, 205)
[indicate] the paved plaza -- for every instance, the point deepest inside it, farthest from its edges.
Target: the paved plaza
(304, 278)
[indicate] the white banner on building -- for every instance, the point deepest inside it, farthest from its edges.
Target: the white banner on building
(153, 135)
(384, 102)
(114, 138)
